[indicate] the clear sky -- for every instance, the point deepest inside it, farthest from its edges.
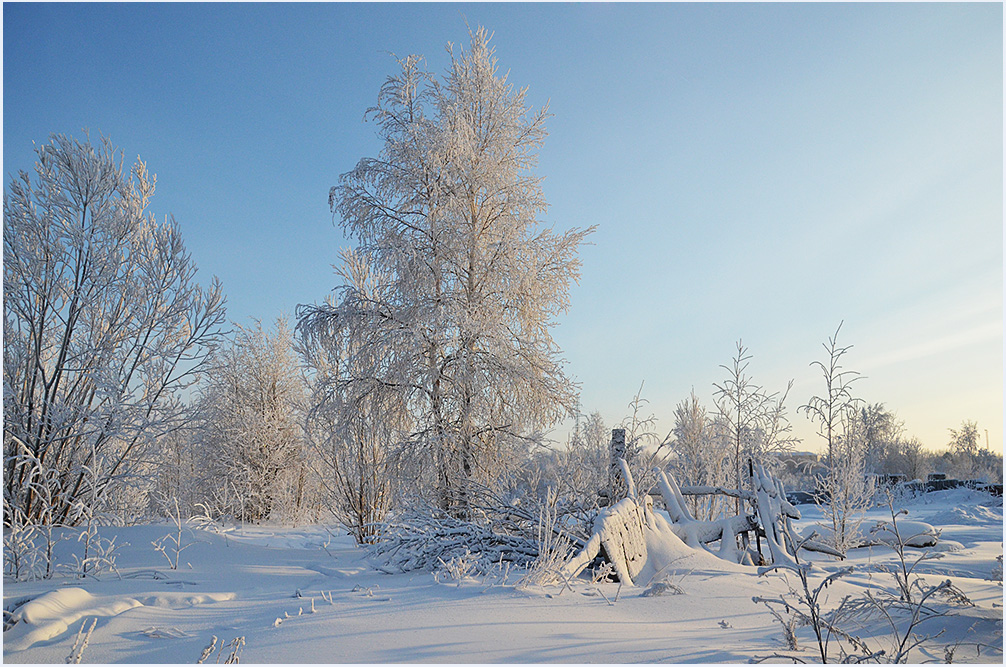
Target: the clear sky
(757, 172)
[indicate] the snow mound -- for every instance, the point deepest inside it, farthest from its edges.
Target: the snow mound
(667, 552)
(913, 533)
(51, 614)
(945, 545)
(966, 516)
(959, 497)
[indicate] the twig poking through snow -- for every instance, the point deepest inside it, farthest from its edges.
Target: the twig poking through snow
(80, 643)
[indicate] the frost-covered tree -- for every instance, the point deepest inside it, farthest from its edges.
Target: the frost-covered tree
(968, 459)
(702, 457)
(356, 422)
(104, 325)
(753, 421)
(881, 432)
(965, 439)
(581, 469)
(449, 218)
(912, 459)
(832, 409)
(836, 412)
(252, 435)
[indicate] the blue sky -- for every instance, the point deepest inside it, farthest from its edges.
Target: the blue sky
(757, 172)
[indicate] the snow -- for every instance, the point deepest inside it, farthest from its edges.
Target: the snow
(302, 595)
(913, 533)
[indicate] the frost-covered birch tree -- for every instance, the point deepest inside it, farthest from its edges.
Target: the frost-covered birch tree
(702, 455)
(104, 325)
(449, 216)
(753, 421)
(252, 433)
(836, 413)
(356, 422)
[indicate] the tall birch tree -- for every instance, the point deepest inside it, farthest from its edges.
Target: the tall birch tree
(449, 216)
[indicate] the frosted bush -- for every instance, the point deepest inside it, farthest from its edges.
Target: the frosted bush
(22, 558)
(457, 568)
(553, 548)
(421, 540)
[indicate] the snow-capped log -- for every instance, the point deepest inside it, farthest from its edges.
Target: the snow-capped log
(787, 508)
(620, 531)
(695, 533)
(775, 523)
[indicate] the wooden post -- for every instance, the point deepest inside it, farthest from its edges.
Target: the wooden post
(616, 450)
(754, 485)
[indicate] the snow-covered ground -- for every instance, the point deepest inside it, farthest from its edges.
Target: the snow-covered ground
(302, 595)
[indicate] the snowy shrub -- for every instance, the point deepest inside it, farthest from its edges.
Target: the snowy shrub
(458, 568)
(422, 540)
(104, 326)
(99, 554)
(34, 534)
(901, 610)
(553, 548)
(170, 545)
(898, 539)
(804, 606)
(23, 560)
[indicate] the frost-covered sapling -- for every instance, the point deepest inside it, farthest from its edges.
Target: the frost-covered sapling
(847, 487)
(80, 643)
(172, 541)
(553, 548)
(753, 421)
(901, 611)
